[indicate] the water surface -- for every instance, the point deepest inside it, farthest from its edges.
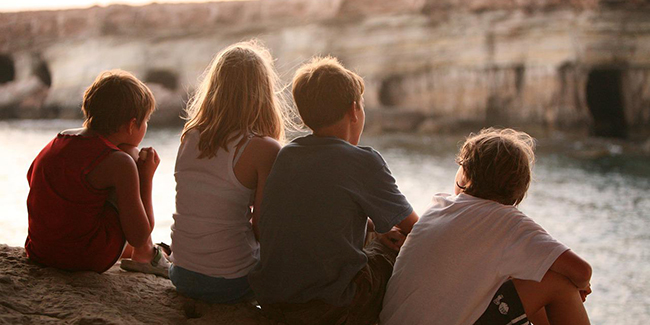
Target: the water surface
(600, 206)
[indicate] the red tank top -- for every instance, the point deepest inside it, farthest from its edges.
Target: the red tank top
(72, 226)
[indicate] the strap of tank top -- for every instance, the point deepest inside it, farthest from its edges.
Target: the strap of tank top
(241, 149)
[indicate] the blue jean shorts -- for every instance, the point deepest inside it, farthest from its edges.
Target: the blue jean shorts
(210, 289)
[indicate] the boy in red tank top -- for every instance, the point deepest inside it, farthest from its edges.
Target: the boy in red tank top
(90, 188)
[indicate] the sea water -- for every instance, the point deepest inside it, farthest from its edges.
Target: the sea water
(597, 204)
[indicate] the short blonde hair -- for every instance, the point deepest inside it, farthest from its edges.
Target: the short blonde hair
(498, 164)
(240, 94)
(113, 99)
(324, 90)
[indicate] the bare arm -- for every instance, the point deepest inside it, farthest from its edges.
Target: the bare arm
(146, 170)
(253, 168)
(146, 185)
(574, 268)
(407, 224)
(267, 150)
(119, 170)
(396, 237)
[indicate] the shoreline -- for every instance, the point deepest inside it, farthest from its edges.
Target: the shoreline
(575, 143)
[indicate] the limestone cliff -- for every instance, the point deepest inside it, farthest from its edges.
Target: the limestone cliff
(551, 63)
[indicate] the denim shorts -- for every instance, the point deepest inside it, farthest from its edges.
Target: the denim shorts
(210, 289)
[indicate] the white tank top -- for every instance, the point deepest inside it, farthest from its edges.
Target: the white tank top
(212, 234)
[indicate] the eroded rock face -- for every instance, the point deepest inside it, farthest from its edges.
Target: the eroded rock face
(33, 294)
(509, 63)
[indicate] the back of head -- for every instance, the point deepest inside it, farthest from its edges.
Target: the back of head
(237, 96)
(324, 90)
(113, 99)
(498, 164)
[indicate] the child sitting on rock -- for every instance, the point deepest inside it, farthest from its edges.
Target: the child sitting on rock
(474, 258)
(235, 122)
(90, 188)
(321, 194)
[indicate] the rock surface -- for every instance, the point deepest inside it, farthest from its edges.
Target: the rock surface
(32, 294)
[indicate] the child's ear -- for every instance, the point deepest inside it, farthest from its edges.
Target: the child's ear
(465, 181)
(133, 125)
(354, 112)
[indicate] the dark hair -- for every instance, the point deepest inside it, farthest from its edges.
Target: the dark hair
(114, 98)
(324, 91)
(498, 164)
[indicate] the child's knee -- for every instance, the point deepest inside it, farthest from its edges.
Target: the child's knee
(557, 279)
(559, 284)
(538, 294)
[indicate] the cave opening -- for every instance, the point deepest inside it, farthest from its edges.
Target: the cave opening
(520, 77)
(390, 91)
(7, 69)
(165, 78)
(605, 101)
(42, 71)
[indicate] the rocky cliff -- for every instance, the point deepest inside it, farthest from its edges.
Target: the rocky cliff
(428, 64)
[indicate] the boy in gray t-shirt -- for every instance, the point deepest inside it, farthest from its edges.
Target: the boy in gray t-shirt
(322, 195)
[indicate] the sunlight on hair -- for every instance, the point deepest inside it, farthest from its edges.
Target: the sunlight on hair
(240, 93)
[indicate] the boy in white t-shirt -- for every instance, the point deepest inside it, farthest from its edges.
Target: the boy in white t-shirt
(474, 258)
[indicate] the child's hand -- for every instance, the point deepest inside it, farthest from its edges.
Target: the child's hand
(148, 161)
(393, 239)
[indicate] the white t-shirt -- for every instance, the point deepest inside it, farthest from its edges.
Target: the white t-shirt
(458, 254)
(212, 233)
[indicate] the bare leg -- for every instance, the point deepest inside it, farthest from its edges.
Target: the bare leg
(144, 253)
(128, 251)
(557, 295)
(539, 318)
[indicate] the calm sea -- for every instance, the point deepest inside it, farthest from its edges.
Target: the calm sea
(597, 204)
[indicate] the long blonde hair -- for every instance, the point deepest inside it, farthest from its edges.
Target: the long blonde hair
(240, 94)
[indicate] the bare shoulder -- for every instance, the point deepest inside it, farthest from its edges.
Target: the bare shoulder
(118, 162)
(265, 145)
(133, 151)
(117, 167)
(120, 157)
(263, 151)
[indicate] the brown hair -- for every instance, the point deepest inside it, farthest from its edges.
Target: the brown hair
(113, 99)
(240, 93)
(324, 90)
(498, 163)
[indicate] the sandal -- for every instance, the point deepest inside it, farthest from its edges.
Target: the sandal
(159, 265)
(166, 248)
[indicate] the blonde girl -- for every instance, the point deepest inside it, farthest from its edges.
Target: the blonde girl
(235, 121)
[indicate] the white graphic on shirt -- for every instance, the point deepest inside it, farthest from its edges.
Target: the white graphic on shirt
(503, 308)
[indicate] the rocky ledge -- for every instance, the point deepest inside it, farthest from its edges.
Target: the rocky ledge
(33, 294)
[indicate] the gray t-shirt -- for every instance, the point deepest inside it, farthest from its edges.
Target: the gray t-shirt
(314, 214)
